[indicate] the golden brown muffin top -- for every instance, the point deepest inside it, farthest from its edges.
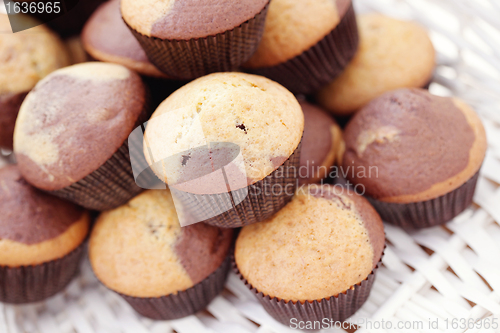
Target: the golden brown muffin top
(321, 244)
(140, 249)
(392, 54)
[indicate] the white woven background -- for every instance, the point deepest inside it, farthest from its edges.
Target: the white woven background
(444, 272)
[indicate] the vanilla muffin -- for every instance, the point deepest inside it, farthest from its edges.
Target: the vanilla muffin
(187, 39)
(306, 43)
(107, 38)
(25, 58)
(164, 271)
(76, 52)
(337, 240)
(320, 146)
(40, 238)
(420, 153)
(70, 136)
(392, 54)
(246, 125)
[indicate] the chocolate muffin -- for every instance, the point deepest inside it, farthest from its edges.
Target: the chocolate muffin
(223, 143)
(107, 38)
(25, 58)
(417, 156)
(71, 134)
(337, 240)
(40, 240)
(320, 145)
(164, 271)
(392, 54)
(187, 39)
(306, 44)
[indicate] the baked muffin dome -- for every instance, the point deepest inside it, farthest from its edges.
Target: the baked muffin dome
(35, 227)
(74, 121)
(107, 38)
(258, 115)
(422, 146)
(140, 250)
(336, 241)
(392, 54)
(187, 19)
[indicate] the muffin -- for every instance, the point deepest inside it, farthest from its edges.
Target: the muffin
(71, 134)
(416, 156)
(306, 44)
(228, 146)
(107, 38)
(392, 54)
(320, 145)
(164, 271)
(41, 240)
(337, 239)
(25, 58)
(187, 39)
(76, 52)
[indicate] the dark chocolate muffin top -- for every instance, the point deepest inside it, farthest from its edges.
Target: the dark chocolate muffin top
(140, 249)
(413, 146)
(187, 19)
(75, 120)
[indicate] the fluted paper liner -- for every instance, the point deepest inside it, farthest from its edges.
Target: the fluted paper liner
(319, 65)
(183, 303)
(336, 308)
(257, 202)
(429, 213)
(190, 59)
(28, 284)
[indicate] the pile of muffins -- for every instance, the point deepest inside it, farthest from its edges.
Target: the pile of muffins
(185, 138)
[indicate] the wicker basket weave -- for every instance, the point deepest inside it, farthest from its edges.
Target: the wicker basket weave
(450, 272)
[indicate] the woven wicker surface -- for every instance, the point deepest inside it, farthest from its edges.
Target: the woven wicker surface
(450, 272)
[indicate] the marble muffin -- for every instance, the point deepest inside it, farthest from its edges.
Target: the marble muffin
(25, 58)
(420, 154)
(140, 251)
(40, 238)
(392, 54)
(321, 144)
(337, 239)
(70, 134)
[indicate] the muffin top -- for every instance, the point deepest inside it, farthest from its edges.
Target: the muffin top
(140, 250)
(187, 19)
(27, 56)
(258, 116)
(36, 227)
(392, 54)
(337, 240)
(107, 38)
(74, 120)
(321, 142)
(294, 26)
(416, 146)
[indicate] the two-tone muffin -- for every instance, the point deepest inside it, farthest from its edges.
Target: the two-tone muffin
(187, 39)
(306, 44)
(228, 146)
(71, 134)
(40, 240)
(164, 271)
(25, 58)
(314, 259)
(392, 54)
(416, 155)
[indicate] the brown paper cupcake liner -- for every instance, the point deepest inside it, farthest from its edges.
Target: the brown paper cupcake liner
(257, 202)
(429, 213)
(28, 284)
(319, 65)
(10, 103)
(337, 308)
(190, 59)
(186, 302)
